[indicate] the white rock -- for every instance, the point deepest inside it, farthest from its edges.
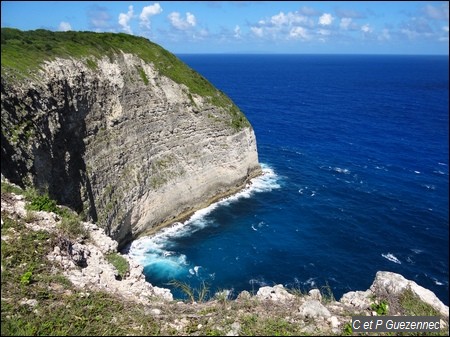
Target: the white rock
(276, 293)
(314, 309)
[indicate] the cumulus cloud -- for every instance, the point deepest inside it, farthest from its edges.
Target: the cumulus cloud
(237, 32)
(148, 12)
(258, 31)
(182, 24)
(124, 19)
(366, 28)
(64, 26)
(299, 33)
(326, 19)
(291, 18)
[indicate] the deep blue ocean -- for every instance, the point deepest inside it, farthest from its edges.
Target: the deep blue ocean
(355, 154)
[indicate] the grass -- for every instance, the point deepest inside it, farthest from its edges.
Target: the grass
(414, 306)
(23, 53)
(10, 188)
(193, 294)
(120, 263)
(59, 309)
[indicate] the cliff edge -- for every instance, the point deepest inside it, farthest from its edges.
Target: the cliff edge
(118, 129)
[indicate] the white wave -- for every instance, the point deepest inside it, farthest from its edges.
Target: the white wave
(437, 282)
(417, 251)
(417, 172)
(341, 170)
(438, 172)
(155, 249)
(310, 282)
(444, 164)
(259, 283)
(194, 271)
(253, 227)
(391, 257)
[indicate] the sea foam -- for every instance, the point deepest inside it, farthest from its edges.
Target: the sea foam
(155, 251)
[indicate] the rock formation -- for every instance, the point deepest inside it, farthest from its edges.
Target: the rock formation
(113, 137)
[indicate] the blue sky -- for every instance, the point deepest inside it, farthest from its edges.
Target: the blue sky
(332, 27)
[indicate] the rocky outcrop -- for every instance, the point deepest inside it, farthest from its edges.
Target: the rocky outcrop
(119, 141)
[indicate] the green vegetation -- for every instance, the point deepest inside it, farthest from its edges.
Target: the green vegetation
(10, 188)
(39, 300)
(120, 263)
(380, 308)
(70, 224)
(142, 74)
(414, 306)
(23, 52)
(194, 295)
(26, 278)
(40, 202)
(253, 325)
(347, 331)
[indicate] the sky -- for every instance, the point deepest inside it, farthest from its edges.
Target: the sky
(288, 27)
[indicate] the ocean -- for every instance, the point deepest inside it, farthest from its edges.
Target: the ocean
(354, 150)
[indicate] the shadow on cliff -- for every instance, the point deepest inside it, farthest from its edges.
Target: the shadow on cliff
(50, 145)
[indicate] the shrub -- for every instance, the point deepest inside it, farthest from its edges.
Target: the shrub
(380, 308)
(26, 278)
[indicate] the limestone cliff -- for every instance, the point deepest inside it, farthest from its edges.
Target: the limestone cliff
(119, 135)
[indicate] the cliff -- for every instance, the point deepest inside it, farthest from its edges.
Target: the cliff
(118, 129)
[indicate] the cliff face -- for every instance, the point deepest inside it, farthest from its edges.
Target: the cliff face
(116, 139)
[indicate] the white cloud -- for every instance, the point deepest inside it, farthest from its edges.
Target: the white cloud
(445, 29)
(345, 23)
(324, 32)
(182, 24)
(147, 12)
(237, 32)
(299, 33)
(326, 19)
(125, 18)
(64, 26)
(291, 18)
(258, 31)
(366, 28)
